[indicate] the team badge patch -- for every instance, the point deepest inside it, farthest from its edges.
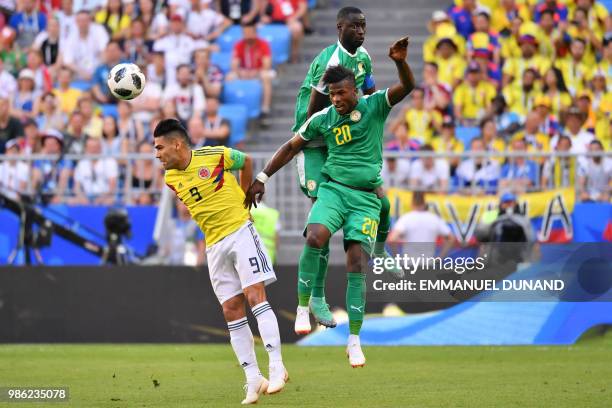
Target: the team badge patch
(355, 116)
(311, 185)
(204, 173)
(360, 67)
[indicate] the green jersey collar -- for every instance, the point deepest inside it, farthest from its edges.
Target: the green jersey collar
(346, 52)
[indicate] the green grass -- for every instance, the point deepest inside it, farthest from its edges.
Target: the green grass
(208, 375)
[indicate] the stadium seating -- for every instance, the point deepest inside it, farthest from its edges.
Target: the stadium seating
(238, 116)
(223, 60)
(279, 37)
(244, 92)
(466, 134)
(229, 37)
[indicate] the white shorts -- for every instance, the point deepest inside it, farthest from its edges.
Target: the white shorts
(238, 261)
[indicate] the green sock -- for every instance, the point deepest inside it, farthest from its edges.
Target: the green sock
(383, 227)
(307, 272)
(355, 300)
(319, 283)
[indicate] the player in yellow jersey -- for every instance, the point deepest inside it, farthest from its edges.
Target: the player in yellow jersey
(239, 266)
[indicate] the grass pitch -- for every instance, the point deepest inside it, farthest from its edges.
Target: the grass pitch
(169, 375)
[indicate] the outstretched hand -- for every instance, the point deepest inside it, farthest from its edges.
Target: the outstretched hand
(399, 50)
(254, 194)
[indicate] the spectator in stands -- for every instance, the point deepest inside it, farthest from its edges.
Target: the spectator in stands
(478, 174)
(534, 139)
(48, 113)
(48, 44)
(114, 18)
(548, 124)
(515, 67)
(10, 126)
(66, 18)
(113, 55)
(579, 137)
(395, 173)
(420, 229)
(602, 98)
(84, 47)
(573, 68)
(437, 96)
(95, 179)
(451, 65)
(14, 174)
(521, 97)
(184, 245)
(510, 42)
(462, 17)
(51, 176)
(156, 70)
(520, 173)
(579, 28)
(148, 103)
(290, 13)
(482, 52)
(196, 131)
(555, 89)
(492, 142)
(88, 5)
(241, 11)
(93, 123)
(506, 121)
(66, 94)
(130, 129)
(560, 171)
(146, 178)
(217, 130)
(583, 102)
(559, 8)
(429, 173)
(187, 95)
(76, 133)
(112, 142)
(550, 35)
(506, 13)
(482, 26)
(472, 98)
(595, 175)
(252, 59)
(204, 23)
(177, 47)
(27, 23)
(440, 21)
(31, 142)
(8, 84)
(42, 76)
(207, 74)
(421, 124)
(447, 142)
(137, 47)
(156, 25)
(23, 102)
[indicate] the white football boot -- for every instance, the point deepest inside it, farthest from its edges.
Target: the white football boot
(302, 320)
(354, 353)
(254, 389)
(278, 378)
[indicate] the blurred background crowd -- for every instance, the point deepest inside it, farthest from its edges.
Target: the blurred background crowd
(520, 76)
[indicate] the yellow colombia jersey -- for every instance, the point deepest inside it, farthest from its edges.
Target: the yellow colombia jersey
(210, 191)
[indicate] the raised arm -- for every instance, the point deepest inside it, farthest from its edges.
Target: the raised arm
(283, 155)
(398, 53)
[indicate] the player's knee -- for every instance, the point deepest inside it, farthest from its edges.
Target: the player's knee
(255, 294)
(314, 241)
(233, 308)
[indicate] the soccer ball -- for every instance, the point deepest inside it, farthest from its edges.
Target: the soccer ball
(126, 81)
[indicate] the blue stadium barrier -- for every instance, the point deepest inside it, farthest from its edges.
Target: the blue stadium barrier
(490, 320)
(244, 92)
(229, 37)
(238, 117)
(223, 60)
(109, 109)
(81, 85)
(466, 134)
(279, 37)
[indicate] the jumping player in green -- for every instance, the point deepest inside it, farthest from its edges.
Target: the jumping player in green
(353, 132)
(312, 97)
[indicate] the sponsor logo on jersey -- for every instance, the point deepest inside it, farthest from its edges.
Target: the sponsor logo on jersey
(204, 173)
(355, 116)
(311, 185)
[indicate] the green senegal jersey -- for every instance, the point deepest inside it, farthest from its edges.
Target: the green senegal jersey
(360, 63)
(354, 141)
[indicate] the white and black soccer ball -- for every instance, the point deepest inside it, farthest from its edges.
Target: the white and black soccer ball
(126, 81)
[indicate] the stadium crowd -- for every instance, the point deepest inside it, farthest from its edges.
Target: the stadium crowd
(517, 76)
(499, 75)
